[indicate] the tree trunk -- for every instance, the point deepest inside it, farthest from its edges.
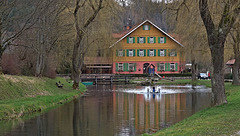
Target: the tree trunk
(40, 65)
(216, 35)
(217, 77)
(235, 72)
(79, 48)
(194, 65)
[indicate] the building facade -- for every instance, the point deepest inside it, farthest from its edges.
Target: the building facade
(144, 48)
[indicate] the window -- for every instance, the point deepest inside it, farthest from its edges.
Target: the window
(130, 52)
(172, 66)
(161, 67)
(146, 27)
(120, 52)
(120, 66)
(161, 52)
(141, 40)
(162, 40)
(151, 52)
(151, 40)
(141, 52)
(131, 67)
(172, 52)
(130, 40)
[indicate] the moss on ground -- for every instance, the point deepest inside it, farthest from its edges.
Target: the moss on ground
(22, 95)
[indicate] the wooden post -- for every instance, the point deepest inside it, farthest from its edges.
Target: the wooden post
(111, 80)
(96, 80)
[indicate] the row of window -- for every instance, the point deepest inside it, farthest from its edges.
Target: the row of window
(123, 67)
(149, 39)
(148, 52)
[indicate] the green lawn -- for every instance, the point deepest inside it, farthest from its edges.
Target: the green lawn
(218, 120)
(21, 95)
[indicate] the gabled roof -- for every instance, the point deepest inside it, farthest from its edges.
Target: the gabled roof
(230, 62)
(126, 33)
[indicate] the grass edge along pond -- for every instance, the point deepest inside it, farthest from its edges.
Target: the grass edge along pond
(218, 120)
(22, 95)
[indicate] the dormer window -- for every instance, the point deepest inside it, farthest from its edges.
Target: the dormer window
(146, 27)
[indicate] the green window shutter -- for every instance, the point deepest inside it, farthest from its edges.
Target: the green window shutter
(158, 52)
(137, 39)
(166, 66)
(148, 39)
(168, 52)
(143, 27)
(134, 52)
(175, 53)
(158, 39)
(144, 39)
(154, 52)
(127, 39)
(144, 52)
(123, 52)
(137, 52)
(154, 39)
(117, 53)
(158, 67)
(133, 39)
(125, 66)
(165, 40)
(176, 66)
(116, 67)
(148, 52)
(165, 52)
(135, 67)
(127, 52)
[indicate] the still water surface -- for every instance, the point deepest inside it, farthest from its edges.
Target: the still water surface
(118, 110)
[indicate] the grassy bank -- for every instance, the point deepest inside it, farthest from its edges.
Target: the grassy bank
(218, 120)
(20, 95)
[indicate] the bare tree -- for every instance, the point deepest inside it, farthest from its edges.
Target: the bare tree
(15, 18)
(217, 33)
(236, 45)
(79, 47)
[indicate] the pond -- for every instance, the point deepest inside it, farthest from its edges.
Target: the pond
(117, 110)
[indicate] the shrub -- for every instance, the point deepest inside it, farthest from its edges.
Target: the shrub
(10, 64)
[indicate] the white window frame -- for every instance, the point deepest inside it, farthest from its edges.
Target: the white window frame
(146, 27)
(130, 40)
(151, 52)
(120, 66)
(162, 65)
(120, 53)
(162, 52)
(141, 53)
(172, 52)
(131, 67)
(141, 39)
(161, 40)
(130, 53)
(172, 66)
(151, 39)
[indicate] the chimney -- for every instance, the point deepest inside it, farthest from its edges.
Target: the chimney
(129, 24)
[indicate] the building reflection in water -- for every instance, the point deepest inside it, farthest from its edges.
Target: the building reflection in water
(107, 111)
